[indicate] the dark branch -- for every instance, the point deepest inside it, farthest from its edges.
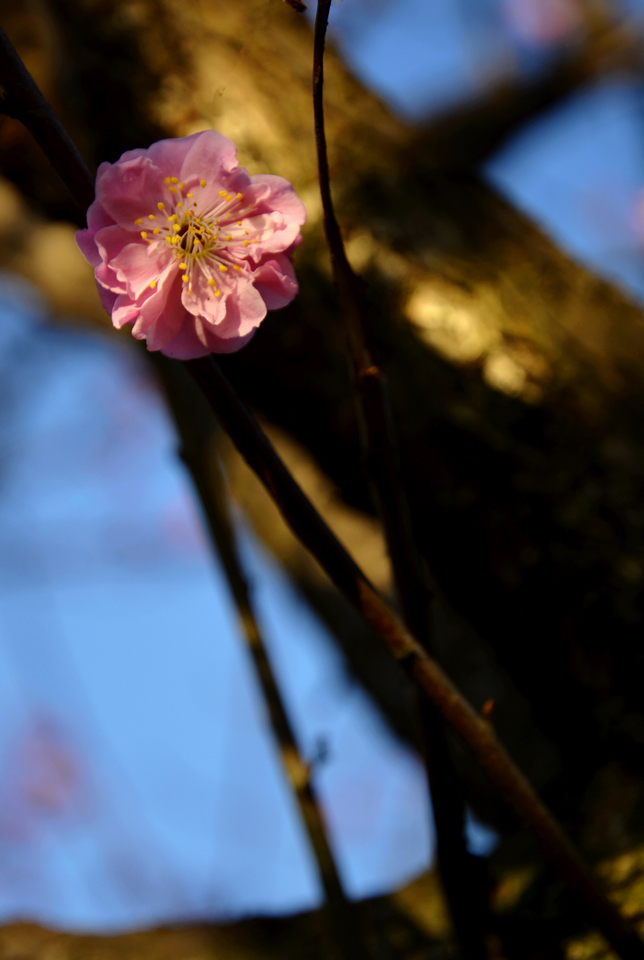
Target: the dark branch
(311, 530)
(464, 888)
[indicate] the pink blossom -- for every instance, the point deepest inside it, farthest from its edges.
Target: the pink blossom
(188, 247)
(543, 23)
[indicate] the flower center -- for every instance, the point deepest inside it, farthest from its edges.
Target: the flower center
(208, 242)
(196, 236)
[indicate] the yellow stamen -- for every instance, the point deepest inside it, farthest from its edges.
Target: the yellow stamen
(235, 267)
(246, 243)
(151, 216)
(160, 205)
(173, 217)
(176, 227)
(202, 183)
(179, 204)
(239, 223)
(185, 278)
(174, 179)
(211, 282)
(183, 266)
(246, 232)
(190, 194)
(172, 189)
(167, 180)
(138, 222)
(153, 284)
(229, 197)
(223, 268)
(228, 237)
(156, 230)
(217, 293)
(144, 234)
(239, 196)
(182, 186)
(222, 193)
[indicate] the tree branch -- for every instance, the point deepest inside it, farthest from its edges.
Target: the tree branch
(464, 887)
(310, 528)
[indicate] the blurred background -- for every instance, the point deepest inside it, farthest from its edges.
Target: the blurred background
(488, 168)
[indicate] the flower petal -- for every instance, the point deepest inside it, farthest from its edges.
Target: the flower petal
(245, 310)
(124, 310)
(275, 234)
(281, 196)
(162, 312)
(140, 265)
(209, 154)
(130, 189)
(275, 281)
(202, 302)
(97, 218)
(108, 298)
(187, 344)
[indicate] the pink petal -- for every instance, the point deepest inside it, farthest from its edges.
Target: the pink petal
(197, 339)
(245, 310)
(275, 282)
(202, 302)
(279, 234)
(168, 155)
(162, 314)
(209, 153)
(124, 310)
(107, 297)
(140, 265)
(281, 197)
(187, 345)
(97, 218)
(110, 241)
(106, 276)
(130, 189)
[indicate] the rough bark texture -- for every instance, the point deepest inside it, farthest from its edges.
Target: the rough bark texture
(516, 375)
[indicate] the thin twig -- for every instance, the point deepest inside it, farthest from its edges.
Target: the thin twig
(209, 483)
(512, 786)
(312, 531)
(464, 887)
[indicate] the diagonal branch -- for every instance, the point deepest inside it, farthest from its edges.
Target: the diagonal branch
(310, 528)
(464, 887)
(195, 428)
